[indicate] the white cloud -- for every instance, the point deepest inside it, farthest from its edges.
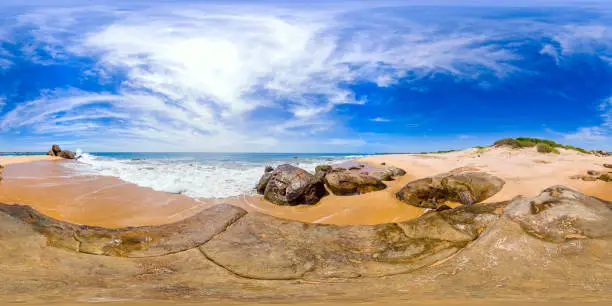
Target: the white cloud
(196, 75)
(551, 51)
(380, 119)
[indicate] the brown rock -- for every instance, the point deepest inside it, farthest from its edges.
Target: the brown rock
(143, 241)
(560, 213)
(593, 172)
(382, 175)
(263, 182)
(466, 188)
(321, 171)
(349, 183)
(263, 247)
(290, 185)
(608, 166)
(67, 154)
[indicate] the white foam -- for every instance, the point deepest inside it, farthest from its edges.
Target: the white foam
(194, 178)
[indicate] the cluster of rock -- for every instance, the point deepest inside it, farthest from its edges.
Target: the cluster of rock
(1, 171)
(290, 185)
(57, 151)
(466, 188)
(257, 246)
(594, 175)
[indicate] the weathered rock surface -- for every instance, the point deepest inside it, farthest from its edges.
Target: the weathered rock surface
(514, 256)
(560, 213)
(466, 188)
(322, 170)
(57, 151)
(263, 182)
(608, 166)
(1, 172)
(350, 183)
(388, 173)
(290, 185)
(133, 241)
(263, 247)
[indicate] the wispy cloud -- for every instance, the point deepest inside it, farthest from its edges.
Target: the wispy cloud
(380, 119)
(216, 77)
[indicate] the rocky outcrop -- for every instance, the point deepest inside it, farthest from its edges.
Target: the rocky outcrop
(552, 246)
(57, 151)
(609, 166)
(466, 188)
(351, 183)
(388, 173)
(264, 247)
(559, 214)
(263, 181)
(1, 172)
(290, 185)
(322, 170)
(144, 241)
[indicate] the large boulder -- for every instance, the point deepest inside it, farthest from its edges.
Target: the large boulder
(350, 183)
(559, 214)
(322, 170)
(466, 188)
(388, 173)
(57, 151)
(290, 185)
(263, 181)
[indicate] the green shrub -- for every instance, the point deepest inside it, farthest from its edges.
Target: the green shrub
(526, 142)
(546, 148)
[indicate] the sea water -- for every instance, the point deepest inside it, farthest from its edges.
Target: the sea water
(207, 175)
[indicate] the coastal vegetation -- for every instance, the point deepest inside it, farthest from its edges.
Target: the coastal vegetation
(543, 145)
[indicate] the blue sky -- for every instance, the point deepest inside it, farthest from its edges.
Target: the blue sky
(343, 76)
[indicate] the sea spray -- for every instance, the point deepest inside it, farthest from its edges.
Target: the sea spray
(206, 175)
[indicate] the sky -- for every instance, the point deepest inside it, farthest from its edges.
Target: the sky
(288, 76)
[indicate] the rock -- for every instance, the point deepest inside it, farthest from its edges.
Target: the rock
(349, 183)
(383, 164)
(145, 241)
(268, 169)
(608, 166)
(1, 171)
(355, 168)
(263, 247)
(57, 151)
(263, 182)
(466, 188)
(395, 171)
(559, 214)
(289, 185)
(67, 154)
(382, 175)
(593, 172)
(321, 171)
(603, 177)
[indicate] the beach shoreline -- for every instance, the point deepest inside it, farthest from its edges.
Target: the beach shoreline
(45, 184)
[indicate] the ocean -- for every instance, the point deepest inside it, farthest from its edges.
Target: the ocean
(198, 175)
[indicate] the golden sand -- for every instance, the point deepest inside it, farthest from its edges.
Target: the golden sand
(9, 160)
(110, 202)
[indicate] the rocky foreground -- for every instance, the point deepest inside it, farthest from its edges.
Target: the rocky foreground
(555, 246)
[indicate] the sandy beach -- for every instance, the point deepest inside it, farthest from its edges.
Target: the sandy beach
(11, 160)
(42, 182)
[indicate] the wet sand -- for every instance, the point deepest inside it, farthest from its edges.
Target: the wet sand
(57, 191)
(110, 202)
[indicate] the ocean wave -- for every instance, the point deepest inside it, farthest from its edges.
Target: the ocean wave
(195, 177)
